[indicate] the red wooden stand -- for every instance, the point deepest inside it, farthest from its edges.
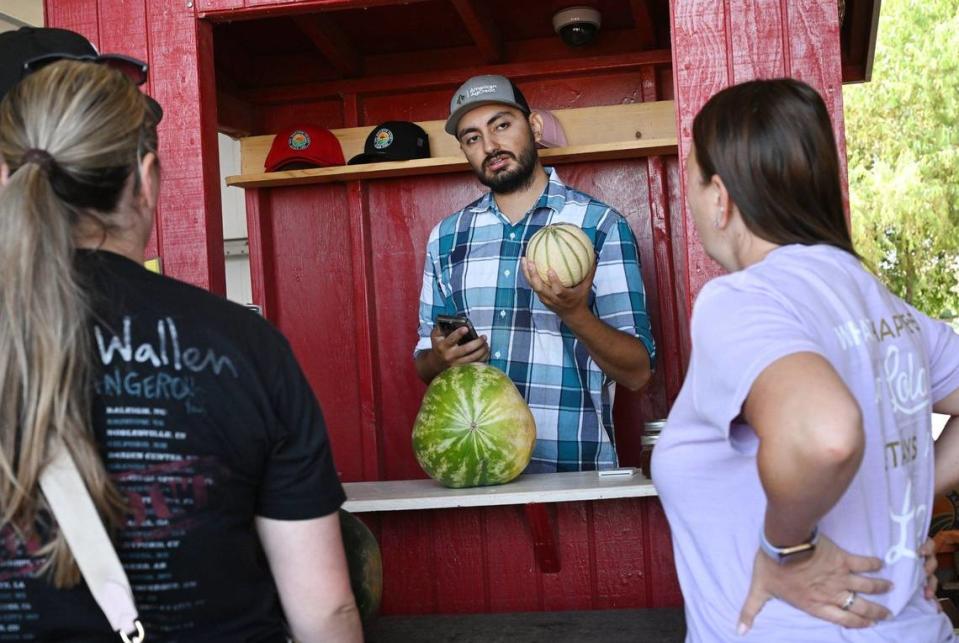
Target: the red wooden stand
(338, 266)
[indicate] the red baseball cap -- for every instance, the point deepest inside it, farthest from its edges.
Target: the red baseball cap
(304, 146)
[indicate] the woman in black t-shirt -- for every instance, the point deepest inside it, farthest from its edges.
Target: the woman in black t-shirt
(190, 421)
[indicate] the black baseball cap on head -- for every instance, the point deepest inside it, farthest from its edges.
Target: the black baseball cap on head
(19, 47)
(394, 141)
(24, 44)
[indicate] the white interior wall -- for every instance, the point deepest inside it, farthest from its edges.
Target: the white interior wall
(238, 287)
(18, 13)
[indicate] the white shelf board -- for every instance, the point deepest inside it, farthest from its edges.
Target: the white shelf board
(405, 495)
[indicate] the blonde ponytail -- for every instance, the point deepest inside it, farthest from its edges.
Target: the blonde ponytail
(71, 135)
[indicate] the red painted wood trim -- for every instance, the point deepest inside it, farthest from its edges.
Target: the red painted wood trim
(542, 529)
(189, 212)
(816, 58)
(669, 359)
(677, 228)
(481, 28)
(664, 590)
(701, 67)
(870, 47)
(124, 31)
(622, 576)
(452, 78)
(756, 40)
(260, 233)
(644, 23)
(332, 43)
(235, 117)
(574, 586)
(511, 580)
(365, 314)
(854, 74)
(458, 576)
(428, 62)
(785, 35)
(211, 213)
(81, 16)
(217, 10)
(204, 6)
(406, 543)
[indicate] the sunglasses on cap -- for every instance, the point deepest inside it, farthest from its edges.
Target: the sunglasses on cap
(135, 70)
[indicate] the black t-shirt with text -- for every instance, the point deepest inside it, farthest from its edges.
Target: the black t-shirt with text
(204, 420)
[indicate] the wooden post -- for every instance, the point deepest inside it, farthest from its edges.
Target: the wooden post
(717, 44)
(188, 232)
(543, 532)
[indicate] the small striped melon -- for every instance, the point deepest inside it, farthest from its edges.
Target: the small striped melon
(474, 428)
(563, 247)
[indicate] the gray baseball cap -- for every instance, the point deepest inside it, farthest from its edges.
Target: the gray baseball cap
(484, 90)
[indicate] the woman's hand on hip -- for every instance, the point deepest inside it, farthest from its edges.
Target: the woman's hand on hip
(930, 563)
(828, 584)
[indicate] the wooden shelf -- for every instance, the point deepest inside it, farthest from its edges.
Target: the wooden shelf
(593, 133)
(448, 164)
(405, 495)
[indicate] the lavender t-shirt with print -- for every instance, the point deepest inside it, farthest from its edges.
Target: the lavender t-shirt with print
(895, 361)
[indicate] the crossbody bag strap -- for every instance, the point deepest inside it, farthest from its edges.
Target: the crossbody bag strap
(80, 524)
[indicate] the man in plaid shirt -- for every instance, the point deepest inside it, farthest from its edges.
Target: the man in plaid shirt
(564, 348)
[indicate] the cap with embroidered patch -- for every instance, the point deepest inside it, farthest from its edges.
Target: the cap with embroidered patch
(394, 141)
(304, 146)
(484, 90)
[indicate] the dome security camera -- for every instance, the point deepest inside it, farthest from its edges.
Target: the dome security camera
(577, 26)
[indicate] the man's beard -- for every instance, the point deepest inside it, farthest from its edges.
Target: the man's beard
(515, 179)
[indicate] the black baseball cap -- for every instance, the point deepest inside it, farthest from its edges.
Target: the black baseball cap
(17, 48)
(394, 141)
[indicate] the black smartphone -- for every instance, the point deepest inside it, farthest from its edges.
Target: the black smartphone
(448, 323)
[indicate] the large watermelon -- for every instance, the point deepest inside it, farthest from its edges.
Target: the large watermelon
(365, 562)
(474, 428)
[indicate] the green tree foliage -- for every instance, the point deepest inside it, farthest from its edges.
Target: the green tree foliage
(902, 141)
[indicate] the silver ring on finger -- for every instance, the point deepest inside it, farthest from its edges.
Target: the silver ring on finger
(846, 604)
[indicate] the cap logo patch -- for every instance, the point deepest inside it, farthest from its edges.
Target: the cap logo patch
(479, 90)
(383, 138)
(299, 140)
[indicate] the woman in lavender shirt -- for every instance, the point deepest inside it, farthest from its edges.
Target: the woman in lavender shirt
(798, 468)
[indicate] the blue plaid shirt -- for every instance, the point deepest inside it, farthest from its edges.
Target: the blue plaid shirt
(473, 268)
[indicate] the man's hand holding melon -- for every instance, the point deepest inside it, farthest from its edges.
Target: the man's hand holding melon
(559, 266)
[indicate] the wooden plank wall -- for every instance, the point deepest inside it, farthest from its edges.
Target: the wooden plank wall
(340, 270)
(188, 233)
(716, 44)
(229, 7)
